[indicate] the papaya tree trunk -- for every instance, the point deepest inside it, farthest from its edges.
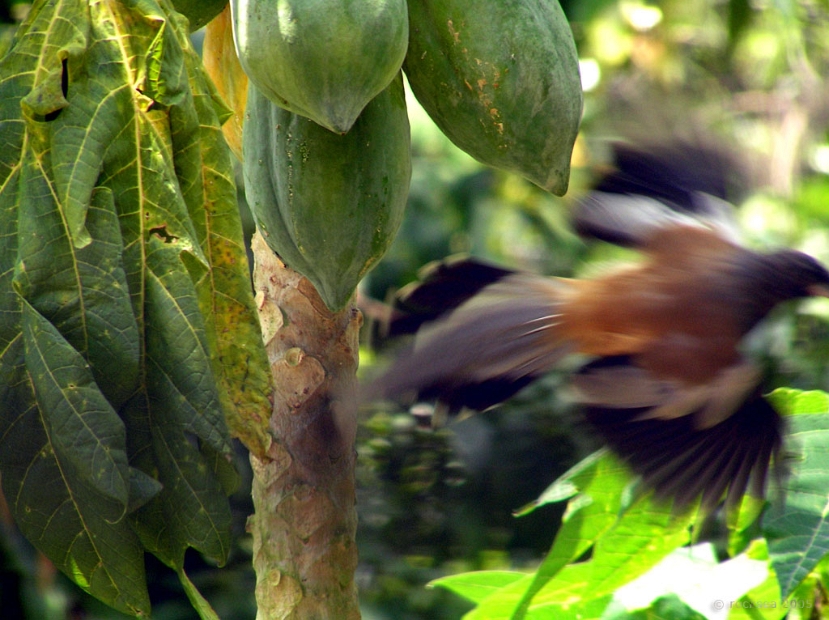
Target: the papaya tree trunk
(305, 519)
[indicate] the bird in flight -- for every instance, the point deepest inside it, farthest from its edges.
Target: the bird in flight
(663, 381)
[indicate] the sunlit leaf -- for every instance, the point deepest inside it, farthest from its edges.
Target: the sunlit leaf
(222, 64)
(478, 585)
(643, 535)
(600, 480)
(696, 577)
(767, 592)
(797, 528)
(626, 542)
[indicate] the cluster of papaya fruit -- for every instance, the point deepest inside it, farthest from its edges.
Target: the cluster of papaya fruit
(326, 143)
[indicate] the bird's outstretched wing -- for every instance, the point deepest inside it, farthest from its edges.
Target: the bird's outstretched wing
(654, 187)
(441, 287)
(686, 442)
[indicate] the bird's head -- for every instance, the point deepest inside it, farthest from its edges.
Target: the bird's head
(799, 275)
(766, 280)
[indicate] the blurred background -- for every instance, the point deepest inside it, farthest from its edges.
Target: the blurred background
(750, 73)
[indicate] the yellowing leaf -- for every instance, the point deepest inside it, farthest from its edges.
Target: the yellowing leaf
(128, 331)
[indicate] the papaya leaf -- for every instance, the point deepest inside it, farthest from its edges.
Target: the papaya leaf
(205, 169)
(644, 534)
(181, 411)
(82, 291)
(190, 511)
(30, 80)
(179, 375)
(65, 472)
(478, 585)
(82, 427)
(600, 480)
(180, 407)
(797, 528)
(222, 65)
(128, 328)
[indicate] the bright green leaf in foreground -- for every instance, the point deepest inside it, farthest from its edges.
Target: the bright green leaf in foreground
(696, 577)
(626, 542)
(768, 592)
(644, 534)
(797, 525)
(478, 585)
(127, 331)
(600, 481)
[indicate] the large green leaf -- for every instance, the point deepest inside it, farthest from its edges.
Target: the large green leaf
(644, 533)
(127, 323)
(797, 528)
(626, 541)
(597, 484)
(75, 491)
(695, 576)
(224, 290)
(82, 291)
(181, 412)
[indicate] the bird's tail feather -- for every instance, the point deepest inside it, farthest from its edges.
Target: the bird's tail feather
(495, 342)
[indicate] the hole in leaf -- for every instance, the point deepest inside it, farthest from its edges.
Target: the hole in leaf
(162, 233)
(193, 440)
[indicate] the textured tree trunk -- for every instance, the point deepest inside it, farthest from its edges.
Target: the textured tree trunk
(305, 519)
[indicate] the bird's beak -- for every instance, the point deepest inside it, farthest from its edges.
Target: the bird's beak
(818, 290)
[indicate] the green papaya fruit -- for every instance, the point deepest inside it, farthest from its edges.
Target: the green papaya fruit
(328, 204)
(324, 59)
(501, 79)
(199, 12)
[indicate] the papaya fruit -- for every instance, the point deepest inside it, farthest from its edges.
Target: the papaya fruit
(199, 12)
(324, 59)
(328, 204)
(501, 80)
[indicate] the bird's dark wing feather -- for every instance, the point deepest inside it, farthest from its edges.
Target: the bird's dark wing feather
(674, 173)
(626, 220)
(654, 187)
(676, 456)
(442, 287)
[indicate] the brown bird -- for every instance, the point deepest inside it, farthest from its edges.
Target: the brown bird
(663, 380)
